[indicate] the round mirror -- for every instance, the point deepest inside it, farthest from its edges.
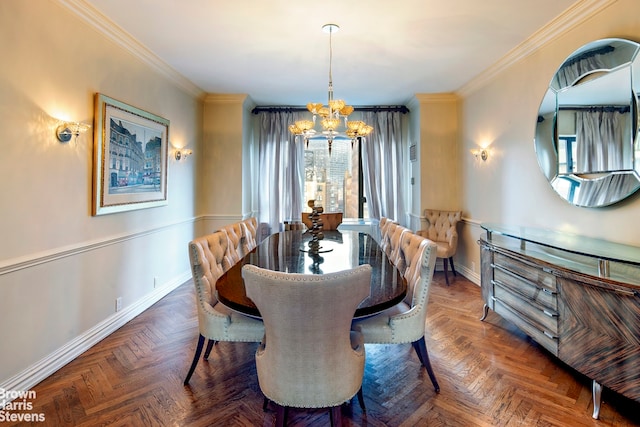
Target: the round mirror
(587, 130)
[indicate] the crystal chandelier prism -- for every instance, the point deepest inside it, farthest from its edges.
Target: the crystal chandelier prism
(331, 115)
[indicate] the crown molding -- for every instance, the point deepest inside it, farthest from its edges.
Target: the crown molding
(225, 98)
(112, 31)
(574, 15)
(431, 98)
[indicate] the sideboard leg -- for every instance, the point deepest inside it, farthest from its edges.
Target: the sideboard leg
(485, 311)
(597, 396)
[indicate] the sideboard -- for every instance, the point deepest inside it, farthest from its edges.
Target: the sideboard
(578, 297)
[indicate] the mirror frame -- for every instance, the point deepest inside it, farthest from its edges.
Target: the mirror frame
(600, 188)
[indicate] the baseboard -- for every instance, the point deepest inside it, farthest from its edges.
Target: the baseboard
(47, 366)
(469, 274)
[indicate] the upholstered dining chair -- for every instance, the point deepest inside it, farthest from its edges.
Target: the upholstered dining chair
(215, 322)
(405, 322)
(309, 357)
(397, 231)
(384, 224)
(442, 229)
(251, 232)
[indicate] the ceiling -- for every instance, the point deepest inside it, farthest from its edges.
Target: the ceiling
(275, 51)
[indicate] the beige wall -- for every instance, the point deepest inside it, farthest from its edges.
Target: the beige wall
(221, 162)
(61, 269)
(438, 168)
(510, 187)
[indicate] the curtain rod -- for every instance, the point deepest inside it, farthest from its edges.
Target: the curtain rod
(606, 108)
(271, 109)
(589, 54)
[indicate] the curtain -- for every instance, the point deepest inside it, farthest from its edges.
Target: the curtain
(280, 170)
(575, 68)
(600, 140)
(382, 162)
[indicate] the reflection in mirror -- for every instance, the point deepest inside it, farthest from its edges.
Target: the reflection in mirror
(587, 131)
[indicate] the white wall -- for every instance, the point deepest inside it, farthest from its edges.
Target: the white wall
(510, 187)
(62, 269)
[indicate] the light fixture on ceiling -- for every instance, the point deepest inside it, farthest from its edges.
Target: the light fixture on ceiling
(66, 130)
(331, 114)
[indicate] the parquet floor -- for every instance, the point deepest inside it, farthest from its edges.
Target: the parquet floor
(489, 372)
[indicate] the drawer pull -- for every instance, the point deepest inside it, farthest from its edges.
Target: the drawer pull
(524, 279)
(549, 313)
(550, 335)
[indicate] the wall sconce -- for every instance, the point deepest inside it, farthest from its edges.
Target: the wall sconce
(66, 130)
(480, 153)
(182, 153)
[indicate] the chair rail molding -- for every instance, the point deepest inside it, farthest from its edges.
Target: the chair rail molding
(28, 261)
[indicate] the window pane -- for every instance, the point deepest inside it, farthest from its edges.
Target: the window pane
(332, 180)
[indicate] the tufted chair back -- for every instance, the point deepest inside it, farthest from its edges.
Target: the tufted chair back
(235, 235)
(441, 228)
(207, 256)
(209, 261)
(251, 232)
(385, 223)
(309, 357)
(397, 231)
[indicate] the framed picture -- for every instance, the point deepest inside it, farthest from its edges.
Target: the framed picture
(129, 157)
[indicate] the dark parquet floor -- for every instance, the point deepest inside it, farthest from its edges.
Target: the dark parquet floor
(490, 374)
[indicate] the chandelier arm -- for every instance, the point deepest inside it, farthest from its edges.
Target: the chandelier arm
(332, 113)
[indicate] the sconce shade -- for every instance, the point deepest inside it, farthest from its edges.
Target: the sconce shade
(66, 130)
(480, 153)
(182, 154)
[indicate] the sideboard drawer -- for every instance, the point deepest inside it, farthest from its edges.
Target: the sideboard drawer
(539, 316)
(547, 340)
(532, 291)
(532, 273)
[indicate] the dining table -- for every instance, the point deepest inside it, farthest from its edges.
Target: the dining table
(289, 252)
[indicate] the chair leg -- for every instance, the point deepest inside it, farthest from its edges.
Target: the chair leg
(195, 359)
(421, 349)
(452, 267)
(281, 415)
(361, 400)
(336, 416)
(207, 352)
(445, 267)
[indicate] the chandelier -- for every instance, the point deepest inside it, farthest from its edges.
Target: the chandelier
(332, 115)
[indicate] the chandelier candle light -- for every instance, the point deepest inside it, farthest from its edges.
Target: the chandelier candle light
(331, 114)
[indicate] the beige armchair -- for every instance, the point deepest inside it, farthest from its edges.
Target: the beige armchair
(208, 256)
(405, 322)
(309, 357)
(441, 228)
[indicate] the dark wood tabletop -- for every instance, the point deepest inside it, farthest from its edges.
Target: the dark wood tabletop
(287, 252)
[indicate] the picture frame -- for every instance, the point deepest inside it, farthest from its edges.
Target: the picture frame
(129, 157)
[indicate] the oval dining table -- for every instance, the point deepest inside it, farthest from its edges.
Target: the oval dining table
(288, 252)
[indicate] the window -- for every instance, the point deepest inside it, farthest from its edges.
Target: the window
(333, 181)
(567, 154)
